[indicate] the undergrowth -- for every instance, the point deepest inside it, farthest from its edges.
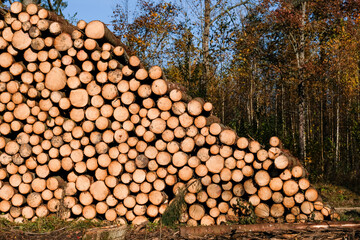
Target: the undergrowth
(245, 212)
(173, 212)
(49, 224)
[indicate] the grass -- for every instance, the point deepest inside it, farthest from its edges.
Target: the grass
(49, 224)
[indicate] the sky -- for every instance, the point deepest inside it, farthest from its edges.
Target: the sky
(90, 10)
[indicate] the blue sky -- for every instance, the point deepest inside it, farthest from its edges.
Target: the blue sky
(89, 10)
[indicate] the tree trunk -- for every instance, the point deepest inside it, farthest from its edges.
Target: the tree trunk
(205, 50)
(300, 53)
(337, 146)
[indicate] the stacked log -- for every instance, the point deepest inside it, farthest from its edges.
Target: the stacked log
(87, 131)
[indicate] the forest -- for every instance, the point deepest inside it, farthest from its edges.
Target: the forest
(271, 67)
(288, 68)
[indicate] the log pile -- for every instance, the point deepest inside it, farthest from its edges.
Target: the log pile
(86, 131)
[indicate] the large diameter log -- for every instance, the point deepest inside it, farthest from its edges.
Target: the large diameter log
(281, 162)
(99, 190)
(307, 207)
(304, 183)
(262, 210)
(249, 187)
(262, 178)
(277, 210)
(214, 191)
(155, 72)
(21, 40)
(63, 42)
(16, 7)
(79, 97)
(196, 211)
(276, 184)
(158, 126)
(121, 191)
(157, 197)
(254, 146)
(215, 164)
(56, 79)
(228, 137)
(6, 59)
(242, 143)
(311, 194)
(290, 188)
(195, 106)
(22, 111)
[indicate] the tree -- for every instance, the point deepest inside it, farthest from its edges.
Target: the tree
(151, 31)
(212, 13)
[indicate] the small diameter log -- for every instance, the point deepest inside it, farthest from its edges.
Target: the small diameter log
(274, 141)
(79, 98)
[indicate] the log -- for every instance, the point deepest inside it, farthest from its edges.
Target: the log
(228, 137)
(242, 143)
(262, 178)
(98, 30)
(215, 164)
(195, 106)
(63, 42)
(21, 40)
(196, 212)
(99, 190)
(262, 210)
(307, 207)
(264, 193)
(304, 184)
(290, 187)
(276, 184)
(311, 194)
(213, 191)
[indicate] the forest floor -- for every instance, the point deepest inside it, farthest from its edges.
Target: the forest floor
(346, 201)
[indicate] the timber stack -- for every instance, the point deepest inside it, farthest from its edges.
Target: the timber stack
(86, 131)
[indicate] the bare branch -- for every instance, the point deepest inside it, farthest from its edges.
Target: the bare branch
(50, 5)
(218, 2)
(228, 10)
